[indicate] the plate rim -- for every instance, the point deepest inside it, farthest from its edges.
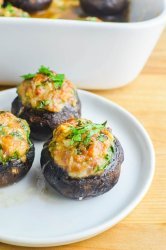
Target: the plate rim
(94, 230)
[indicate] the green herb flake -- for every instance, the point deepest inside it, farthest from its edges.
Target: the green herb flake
(42, 104)
(2, 132)
(10, 8)
(28, 76)
(44, 70)
(87, 129)
(76, 138)
(3, 159)
(101, 168)
(104, 123)
(29, 141)
(57, 79)
(26, 129)
(87, 140)
(102, 137)
(108, 159)
(16, 134)
(24, 125)
(112, 149)
(15, 156)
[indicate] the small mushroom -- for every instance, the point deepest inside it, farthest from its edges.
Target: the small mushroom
(103, 7)
(31, 5)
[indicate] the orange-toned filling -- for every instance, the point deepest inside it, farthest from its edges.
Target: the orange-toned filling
(14, 137)
(82, 148)
(47, 90)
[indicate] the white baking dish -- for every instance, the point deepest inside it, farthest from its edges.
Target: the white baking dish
(93, 55)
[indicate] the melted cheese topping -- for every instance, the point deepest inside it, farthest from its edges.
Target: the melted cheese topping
(14, 137)
(40, 93)
(82, 148)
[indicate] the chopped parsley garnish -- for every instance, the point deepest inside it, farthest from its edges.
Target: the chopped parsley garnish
(28, 76)
(10, 8)
(17, 134)
(112, 149)
(102, 137)
(42, 104)
(84, 132)
(2, 132)
(44, 70)
(15, 156)
(104, 123)
(4, 160)
(27, 130)
(25, 126)
(108, 159)
(57, 79)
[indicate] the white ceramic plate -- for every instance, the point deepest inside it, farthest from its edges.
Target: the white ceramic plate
(32, 214)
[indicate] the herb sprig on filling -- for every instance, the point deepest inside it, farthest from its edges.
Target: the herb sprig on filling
(58, 79)
(83, 132)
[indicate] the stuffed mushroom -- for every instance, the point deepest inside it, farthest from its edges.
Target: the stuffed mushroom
(31, 5)
(45, 100)
(16, 149)
(82, 160)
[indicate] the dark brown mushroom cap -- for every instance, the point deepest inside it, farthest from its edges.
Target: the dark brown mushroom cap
(81, 188)
(43, 122)
(103, 7)
(15, 170)
(31, 5)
